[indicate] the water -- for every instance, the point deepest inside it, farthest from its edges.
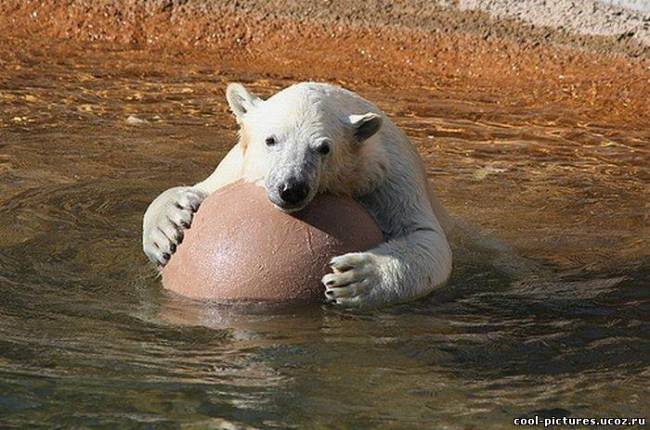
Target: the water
(88, 339)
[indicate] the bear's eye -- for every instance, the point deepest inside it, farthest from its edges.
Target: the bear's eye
(323, 148)
(270, 141)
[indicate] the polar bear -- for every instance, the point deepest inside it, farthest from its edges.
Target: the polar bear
(311, 138)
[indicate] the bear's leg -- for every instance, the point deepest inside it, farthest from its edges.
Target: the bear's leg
(167, 217)
(228, 171)
(401, 269)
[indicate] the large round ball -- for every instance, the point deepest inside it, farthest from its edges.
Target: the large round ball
(241, 247)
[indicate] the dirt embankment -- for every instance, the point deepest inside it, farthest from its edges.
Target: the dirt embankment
(415, 43)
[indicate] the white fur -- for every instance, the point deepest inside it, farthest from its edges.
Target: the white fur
(370, 159)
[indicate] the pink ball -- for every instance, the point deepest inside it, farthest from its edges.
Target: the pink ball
(241, 247)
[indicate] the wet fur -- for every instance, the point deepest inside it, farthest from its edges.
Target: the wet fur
(383, 172)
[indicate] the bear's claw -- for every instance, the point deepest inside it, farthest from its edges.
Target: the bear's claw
(166, 220)
(354, 277)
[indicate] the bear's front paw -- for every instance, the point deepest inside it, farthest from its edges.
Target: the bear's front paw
(356, 281)
(165, 222)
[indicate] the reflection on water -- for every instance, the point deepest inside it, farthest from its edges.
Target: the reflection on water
(88, 338)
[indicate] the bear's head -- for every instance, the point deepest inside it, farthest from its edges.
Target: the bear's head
(302, 141)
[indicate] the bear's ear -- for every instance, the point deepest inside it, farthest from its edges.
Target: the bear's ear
(240, 100)
(365, 125)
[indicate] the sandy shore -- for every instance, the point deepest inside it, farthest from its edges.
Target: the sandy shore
(593, 57)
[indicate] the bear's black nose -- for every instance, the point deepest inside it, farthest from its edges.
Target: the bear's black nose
(294, 191)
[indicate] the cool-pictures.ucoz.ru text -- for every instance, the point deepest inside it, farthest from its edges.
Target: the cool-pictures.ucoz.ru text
(572, 421)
